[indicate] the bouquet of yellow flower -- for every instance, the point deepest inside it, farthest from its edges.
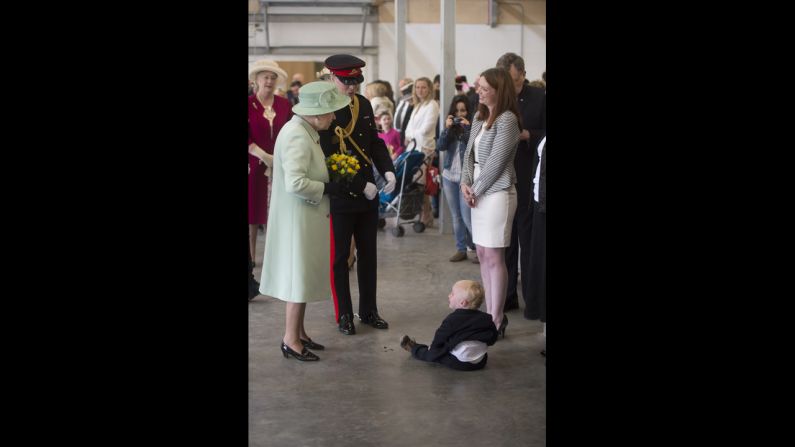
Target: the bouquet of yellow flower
(342, 167)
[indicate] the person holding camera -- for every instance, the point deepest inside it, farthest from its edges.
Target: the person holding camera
(453, 141)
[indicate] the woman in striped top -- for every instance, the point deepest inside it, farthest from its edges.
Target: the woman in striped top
(487, 182)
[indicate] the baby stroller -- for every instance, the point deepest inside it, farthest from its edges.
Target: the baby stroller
(405, 201)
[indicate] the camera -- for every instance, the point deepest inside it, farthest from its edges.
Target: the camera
(456, 121)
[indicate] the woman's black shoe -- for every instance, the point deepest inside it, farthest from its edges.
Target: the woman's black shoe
(503, 325)
(304, 356)
(253, 289)
(309, 344)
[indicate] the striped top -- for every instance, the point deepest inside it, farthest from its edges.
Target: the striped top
(495, 153)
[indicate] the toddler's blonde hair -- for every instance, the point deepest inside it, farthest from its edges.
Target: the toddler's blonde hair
(474, 292)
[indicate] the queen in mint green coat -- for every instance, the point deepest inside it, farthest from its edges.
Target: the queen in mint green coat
(297, 244)
(296, 267)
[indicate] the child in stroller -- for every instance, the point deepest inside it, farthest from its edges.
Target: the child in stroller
(405, 202)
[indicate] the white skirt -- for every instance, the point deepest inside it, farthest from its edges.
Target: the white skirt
(492, 218)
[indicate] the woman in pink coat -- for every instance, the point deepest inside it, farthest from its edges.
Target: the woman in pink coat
(267, 113)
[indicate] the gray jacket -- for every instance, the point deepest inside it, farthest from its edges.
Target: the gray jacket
(496, 152)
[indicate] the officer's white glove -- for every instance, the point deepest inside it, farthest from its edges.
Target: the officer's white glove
(390, 182)
(370, 191)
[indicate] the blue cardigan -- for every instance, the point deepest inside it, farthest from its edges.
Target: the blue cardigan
(452, 144)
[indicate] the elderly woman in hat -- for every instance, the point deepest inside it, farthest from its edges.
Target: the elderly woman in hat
(296, 267)
(267, 113)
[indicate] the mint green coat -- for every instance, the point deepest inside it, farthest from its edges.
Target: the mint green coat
(297, 240)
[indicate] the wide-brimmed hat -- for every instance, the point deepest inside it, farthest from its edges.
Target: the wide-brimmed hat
(267, 65)
(318, 98)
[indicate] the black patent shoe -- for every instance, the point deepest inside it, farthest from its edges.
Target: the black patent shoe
(305, 355)
(253, 289)
(374, 320)
(346, 324)
(503, 325)
(309, 344)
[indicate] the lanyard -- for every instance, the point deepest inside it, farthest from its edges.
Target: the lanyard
(346, 133)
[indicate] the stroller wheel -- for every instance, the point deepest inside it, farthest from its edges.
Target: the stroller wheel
(419, 227)
(381, 223)
(398, 231)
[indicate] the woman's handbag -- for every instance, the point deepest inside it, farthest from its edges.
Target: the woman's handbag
(432, 181)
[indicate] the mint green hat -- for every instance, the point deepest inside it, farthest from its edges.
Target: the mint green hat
(318, 98)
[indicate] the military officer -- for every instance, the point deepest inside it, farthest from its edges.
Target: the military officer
(354, 132)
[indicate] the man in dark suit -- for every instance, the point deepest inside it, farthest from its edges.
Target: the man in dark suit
(292, 94)
(532, 107)
(472, 95)
(404, 108)
(353, 131)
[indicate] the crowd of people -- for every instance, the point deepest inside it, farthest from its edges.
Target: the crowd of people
(493, 176)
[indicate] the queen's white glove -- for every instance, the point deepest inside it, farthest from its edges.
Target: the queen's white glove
(390, 182)
(370, 191)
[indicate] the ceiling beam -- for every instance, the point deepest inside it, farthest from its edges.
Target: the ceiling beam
(311, 18)
(313, 50)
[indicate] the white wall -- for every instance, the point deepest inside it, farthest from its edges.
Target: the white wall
(477, 46)
(315, 34)
(309, 34)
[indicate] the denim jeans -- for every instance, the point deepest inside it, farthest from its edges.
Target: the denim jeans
(460, 214)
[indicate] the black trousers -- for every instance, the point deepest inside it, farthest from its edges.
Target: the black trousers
(520, 237)
(363, 226)
(419, 352)
(536, 299)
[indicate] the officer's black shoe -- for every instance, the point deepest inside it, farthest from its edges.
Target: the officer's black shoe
(374, 320)
(346, 324)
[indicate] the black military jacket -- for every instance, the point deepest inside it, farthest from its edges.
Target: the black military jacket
(365, 134)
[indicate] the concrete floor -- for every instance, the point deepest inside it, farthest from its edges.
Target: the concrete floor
(367, 391)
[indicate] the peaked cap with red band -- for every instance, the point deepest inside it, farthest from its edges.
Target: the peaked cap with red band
(346, 67)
